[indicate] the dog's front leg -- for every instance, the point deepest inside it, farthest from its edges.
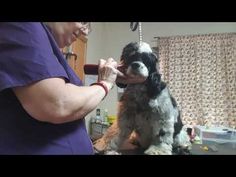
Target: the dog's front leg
(117, 141)
(124, 132)
(162, 140)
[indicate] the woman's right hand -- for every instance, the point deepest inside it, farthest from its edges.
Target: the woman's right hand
(107, 72)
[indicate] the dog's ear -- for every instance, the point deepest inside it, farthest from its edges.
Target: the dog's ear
(154, 62)
(129, 50)
(154, 84)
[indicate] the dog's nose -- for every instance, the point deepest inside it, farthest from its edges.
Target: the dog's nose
(135, 65)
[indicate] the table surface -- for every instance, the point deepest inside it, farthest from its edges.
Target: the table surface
(197, 149)
(222, 149)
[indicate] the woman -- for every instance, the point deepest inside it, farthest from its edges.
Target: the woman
(42, 101)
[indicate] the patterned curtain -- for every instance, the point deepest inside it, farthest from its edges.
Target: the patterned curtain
(201, 73)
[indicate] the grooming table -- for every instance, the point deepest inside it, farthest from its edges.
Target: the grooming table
(222, 149)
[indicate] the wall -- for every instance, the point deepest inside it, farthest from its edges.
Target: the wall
(95, 45)
(119, 34)
(108, 39)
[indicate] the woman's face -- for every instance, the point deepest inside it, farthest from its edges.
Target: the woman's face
(65, 33)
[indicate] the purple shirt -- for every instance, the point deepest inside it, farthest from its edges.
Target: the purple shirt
(28, 53)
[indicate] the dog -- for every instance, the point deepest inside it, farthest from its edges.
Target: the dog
(147, 109)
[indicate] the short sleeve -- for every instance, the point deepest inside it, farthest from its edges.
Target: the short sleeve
(26, 55)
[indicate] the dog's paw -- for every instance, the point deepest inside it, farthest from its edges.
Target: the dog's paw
(157, 150)
(182, 151)
(111, 152)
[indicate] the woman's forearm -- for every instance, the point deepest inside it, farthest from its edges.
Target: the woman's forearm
(52, 100)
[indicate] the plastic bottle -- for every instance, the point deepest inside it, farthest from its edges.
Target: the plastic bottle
(98, 115)
(105, 116)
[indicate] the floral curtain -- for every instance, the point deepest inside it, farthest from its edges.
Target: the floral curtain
(201, 73)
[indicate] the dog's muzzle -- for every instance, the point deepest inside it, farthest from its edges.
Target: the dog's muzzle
(135, 66)
(138, 68)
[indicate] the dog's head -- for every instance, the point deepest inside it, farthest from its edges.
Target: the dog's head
(140, 61)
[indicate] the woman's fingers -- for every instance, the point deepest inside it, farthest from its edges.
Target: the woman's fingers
(111, 62)
(101, 62)
(125, 79)
(120, 74)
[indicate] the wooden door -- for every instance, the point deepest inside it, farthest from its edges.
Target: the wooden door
(76, 55)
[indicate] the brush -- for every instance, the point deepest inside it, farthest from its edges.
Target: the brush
(92, 69)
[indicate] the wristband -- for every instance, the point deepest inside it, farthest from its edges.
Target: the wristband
(103, 86)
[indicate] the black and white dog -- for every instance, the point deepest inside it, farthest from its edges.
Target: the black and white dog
(147, 108)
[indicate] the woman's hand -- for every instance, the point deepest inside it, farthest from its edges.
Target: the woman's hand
(107, 72)
(125, 79)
